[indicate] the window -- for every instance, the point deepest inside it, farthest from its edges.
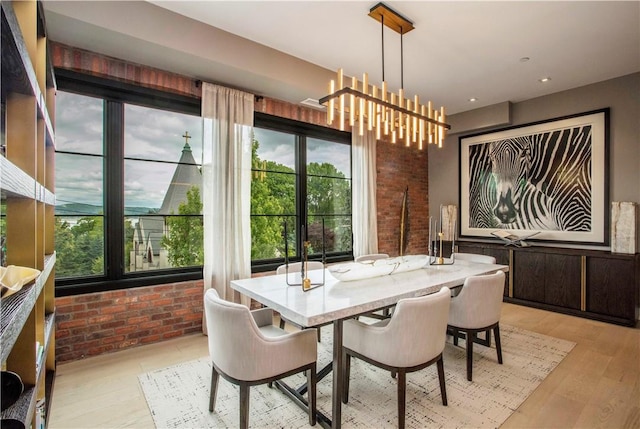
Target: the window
(301, 177)
(79, 229)
(128, 174)
(162, 203)
(128, 206)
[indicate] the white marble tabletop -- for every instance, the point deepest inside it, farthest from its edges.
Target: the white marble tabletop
(338, 300)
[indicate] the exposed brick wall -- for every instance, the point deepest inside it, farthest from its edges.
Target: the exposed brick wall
(87, 62)
(399, 167)
(92, 324)
(97, 323)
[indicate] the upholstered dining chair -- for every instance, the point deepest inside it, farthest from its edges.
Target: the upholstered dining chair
(477, 309)
(475, 257)
(411, 339)
(370, 257)
(295, 267)
(246, 350)
(479, 259)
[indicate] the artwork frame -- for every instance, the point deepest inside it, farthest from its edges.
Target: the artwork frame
(550, 177)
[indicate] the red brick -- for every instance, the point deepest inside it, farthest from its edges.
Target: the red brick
(150, 339)
(114, 309)
(162, 302)
(126, 330)
(137, 319)
(150, 324)
(71, 324)
(113, 339)
(150, 297)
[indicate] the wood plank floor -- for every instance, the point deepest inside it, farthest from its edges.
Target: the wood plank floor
(596, 386)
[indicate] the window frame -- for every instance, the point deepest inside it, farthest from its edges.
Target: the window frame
(115, 95)
(302, 131)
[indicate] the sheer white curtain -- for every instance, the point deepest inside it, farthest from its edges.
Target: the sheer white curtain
(363, 182)
(226, 173)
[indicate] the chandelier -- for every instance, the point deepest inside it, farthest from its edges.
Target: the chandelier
(388, 113)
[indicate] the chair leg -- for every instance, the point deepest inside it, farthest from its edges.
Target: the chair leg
(311, 394)
(443, 387)
(319, 335)
(496, 334)
(214, 389)
(281, 323)
(470, 338)
(244, 406)
(455, 336)
(346, 366)
(402, 397)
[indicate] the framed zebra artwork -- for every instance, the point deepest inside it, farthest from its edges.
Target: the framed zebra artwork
(549, 177)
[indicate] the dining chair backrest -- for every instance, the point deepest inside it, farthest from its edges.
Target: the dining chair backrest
(236, 344)
(475, 257)
(417, 327)
(294, 267)
(371, 257)
(479, 302)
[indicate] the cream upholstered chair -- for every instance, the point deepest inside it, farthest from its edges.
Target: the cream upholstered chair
(475, 257)
(295, 267)
(412, 339)
(246, 349)
(371, 257)
(477, 309)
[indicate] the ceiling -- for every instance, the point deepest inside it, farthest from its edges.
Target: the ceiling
(290, 49)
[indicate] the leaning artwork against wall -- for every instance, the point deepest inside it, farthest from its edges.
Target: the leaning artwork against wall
(549, 177)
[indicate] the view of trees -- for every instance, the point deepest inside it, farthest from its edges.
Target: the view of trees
(273, 200)
(80, 246)
(185, 233)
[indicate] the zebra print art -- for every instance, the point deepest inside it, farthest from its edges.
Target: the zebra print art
(540, 181)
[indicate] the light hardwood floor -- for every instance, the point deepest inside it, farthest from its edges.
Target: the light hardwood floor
(596, 386)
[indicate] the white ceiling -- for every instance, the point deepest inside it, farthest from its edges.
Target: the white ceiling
(290, 49)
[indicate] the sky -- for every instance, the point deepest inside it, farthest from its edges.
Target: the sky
(152, 135)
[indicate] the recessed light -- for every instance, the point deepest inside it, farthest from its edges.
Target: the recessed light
(545, 79)
(473, 99)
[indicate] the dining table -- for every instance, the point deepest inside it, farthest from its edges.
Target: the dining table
(332, 301)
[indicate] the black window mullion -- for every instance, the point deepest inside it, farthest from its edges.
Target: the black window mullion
(301, 159)
(114, 185)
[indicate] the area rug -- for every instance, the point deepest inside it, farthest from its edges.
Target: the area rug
(178, 396)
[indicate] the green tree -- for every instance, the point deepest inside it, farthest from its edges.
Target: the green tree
(184, 239)
(272, 195)
(328, 194)
(79, 248)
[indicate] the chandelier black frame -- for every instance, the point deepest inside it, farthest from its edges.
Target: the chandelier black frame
(388, 113)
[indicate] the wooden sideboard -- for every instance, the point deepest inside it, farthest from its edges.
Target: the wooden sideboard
(595, 284)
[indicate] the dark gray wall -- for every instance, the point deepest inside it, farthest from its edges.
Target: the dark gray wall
(621, 95)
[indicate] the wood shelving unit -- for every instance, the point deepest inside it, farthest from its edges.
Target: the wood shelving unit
(27, 173)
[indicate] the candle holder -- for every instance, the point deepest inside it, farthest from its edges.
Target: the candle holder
(436, 242)
(306, 282)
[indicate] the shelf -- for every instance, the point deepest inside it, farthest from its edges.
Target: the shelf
(15, 312)
(17, 307)
(27, 318)
(49, 325)
(16, 183)
(24, 407)
(18, 74)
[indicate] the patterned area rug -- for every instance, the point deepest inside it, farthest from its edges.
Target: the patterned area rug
(178, 395)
